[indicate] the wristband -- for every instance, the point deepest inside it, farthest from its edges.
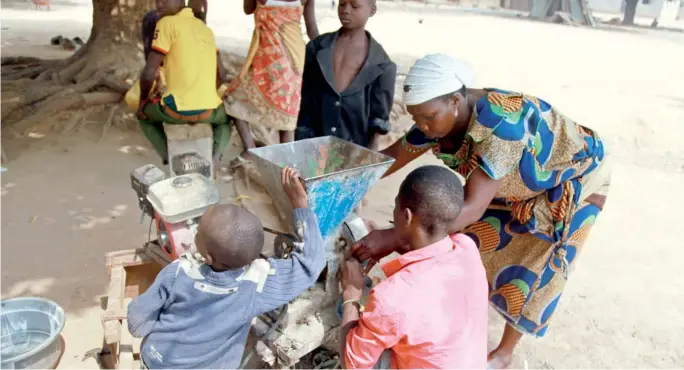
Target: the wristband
(355, 302)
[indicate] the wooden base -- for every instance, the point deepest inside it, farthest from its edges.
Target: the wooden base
(131, 272)
(309, 322)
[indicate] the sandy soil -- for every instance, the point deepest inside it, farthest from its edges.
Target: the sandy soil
(67, 200)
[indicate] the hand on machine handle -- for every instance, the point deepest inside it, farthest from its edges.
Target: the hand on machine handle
(352, 280)
(294, 188)
(373, 247)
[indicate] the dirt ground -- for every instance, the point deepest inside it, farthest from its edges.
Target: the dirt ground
(66, 200)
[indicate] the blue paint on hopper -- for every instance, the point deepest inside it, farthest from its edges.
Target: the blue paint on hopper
(333, 199)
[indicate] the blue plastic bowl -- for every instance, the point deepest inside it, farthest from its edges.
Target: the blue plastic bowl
(30, 333)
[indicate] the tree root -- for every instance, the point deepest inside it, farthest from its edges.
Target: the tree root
(49, 74)
(62, 101)
(53, 99)
(108, 122)
(25, 73)
(77, 120)
(88, 71)
(67, 74)
(31, 68)
(34, 94)
(52, 89)
(113, 84)
(37, 93)
(19, 60)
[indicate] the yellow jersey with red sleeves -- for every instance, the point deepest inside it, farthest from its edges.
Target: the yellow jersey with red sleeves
(190, 61)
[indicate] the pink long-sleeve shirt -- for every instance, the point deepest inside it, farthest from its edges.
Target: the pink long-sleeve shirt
(431, 311)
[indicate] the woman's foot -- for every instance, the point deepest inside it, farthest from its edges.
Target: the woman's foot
(499, 359)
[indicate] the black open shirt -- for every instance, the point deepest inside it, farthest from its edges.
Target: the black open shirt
(361, 110)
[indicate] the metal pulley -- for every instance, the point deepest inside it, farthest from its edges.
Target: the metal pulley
(283, 245)
(352, 231)
(163, 237)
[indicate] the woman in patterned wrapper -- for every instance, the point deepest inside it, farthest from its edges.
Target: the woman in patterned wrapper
(267, 92)
(535, 181)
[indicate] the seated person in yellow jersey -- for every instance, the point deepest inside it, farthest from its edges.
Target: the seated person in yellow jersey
(193, 72)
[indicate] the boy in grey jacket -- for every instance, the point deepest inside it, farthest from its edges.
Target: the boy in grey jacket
(198, 314)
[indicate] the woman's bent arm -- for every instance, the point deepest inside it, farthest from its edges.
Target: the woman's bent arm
(480, 189)
(401, 156)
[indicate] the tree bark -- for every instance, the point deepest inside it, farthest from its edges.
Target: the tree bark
(114, 41)
(630, 12)
(113, 46)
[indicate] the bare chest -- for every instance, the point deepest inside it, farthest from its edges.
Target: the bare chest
(348, 59)
(264, 2)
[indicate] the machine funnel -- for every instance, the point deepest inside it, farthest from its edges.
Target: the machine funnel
(337, 175)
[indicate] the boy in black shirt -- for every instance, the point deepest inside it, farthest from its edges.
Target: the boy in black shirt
(348, 81)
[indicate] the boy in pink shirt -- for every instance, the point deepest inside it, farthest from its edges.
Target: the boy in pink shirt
(431, 311)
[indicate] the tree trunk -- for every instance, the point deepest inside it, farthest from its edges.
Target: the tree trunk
(110, 59)
(114, 42)
(34, 90)
(630, 11)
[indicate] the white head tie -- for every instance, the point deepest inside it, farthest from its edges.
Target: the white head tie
(435, 75)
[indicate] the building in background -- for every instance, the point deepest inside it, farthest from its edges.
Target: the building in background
(663, 10)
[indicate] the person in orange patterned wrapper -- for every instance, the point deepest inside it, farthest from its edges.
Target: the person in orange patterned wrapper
(267, 90)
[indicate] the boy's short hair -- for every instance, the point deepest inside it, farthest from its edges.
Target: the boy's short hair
(232, 235)
(434, 194)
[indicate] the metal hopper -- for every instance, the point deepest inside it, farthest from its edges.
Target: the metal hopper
(337, 175)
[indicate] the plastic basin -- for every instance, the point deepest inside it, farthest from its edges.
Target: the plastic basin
(30, 333)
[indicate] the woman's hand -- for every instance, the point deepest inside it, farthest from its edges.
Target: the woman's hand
(352, 280)
(401, 156)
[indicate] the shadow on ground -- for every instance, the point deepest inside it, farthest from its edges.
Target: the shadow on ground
(57, 224)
